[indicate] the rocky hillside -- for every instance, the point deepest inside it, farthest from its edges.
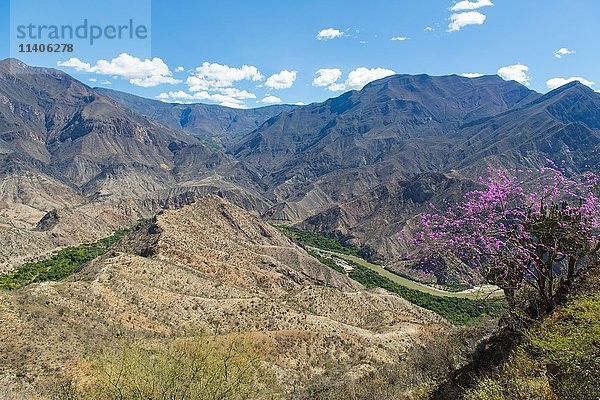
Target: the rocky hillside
(213, 266)
(373, 220)
(358, 165)
(404, 125)
(65, 147)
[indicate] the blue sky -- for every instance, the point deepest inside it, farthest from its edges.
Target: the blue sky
(197, 49)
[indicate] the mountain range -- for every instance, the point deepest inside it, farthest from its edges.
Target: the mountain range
(358, 166)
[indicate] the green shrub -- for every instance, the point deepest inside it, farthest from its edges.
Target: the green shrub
(560, 360)
(318, 240)
(60, 265)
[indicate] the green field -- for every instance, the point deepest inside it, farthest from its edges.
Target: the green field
(59, 265)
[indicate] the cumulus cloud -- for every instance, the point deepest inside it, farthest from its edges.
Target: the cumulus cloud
(516, 72)
(76, 63)
(271, 100)
(326, 77)
(471, 74)
(459, 21)
(558, 82)
(213, 75)
(400, 38)
(358, 78)
(470, 5)
(145, 73)
(283, 80)
(179, 69)
(93, 79)
(328, 34)
(429, 29)
(106, 83)
(229, 97)
(563, 51)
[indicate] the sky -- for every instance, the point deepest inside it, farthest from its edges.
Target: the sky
(255, 53)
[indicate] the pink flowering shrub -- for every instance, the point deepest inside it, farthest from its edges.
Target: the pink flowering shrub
(516, 230)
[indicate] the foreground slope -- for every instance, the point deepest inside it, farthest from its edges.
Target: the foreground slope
(211, 265)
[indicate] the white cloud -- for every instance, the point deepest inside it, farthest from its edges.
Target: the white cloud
(516, 72)
(400, 38)
(429, 29)
(179, 69)
(106, 83)
(471, 5)
(336, 87)
(145, 73)
(299, 103)
(76, 63)
(211, 76)
(271, 100)
(563, 51)
(358, 78)
(471, 74)
(459, 21)
(93, 79)
(178, 95)
(229, 97)
(558, 82)
(283, 80)
(328, 34)
(326, 77)
(236, 93)
(232, 105)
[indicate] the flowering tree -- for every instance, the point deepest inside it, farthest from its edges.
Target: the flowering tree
(515, 231)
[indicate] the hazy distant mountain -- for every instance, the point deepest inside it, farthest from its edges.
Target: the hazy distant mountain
(223, 125)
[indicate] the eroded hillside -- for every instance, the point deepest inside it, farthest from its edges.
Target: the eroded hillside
(211, 266)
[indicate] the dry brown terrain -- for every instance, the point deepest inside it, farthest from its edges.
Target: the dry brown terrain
(211, 266)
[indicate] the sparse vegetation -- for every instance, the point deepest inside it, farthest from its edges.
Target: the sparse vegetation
(319, 240)
(60, 265)
(559, 358)
(194, 368)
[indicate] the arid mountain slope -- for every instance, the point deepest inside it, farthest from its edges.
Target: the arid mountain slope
(66, 147)
(374, 219)
(211, 265)
(397, 127)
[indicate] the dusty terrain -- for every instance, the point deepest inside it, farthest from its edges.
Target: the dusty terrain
(212, 266)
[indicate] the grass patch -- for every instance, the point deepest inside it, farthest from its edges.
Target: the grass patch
(318, 240)
(59, 265)
(456, 310)
(560, 358)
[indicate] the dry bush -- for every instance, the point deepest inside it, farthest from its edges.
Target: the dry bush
(192, 369)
